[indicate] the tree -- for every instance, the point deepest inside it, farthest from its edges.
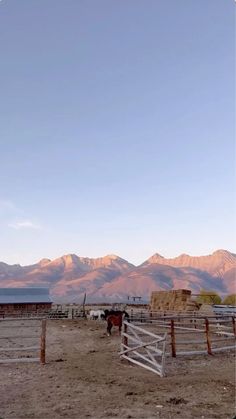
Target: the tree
(230, 300)
(208, 297)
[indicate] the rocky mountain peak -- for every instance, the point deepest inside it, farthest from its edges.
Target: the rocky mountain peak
(156, 258)
(112, 257)
(223, 253)
(44, 261)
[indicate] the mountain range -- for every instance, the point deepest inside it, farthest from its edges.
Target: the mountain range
(112, 278)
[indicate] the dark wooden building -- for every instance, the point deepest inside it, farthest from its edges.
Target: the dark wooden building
(24, 301)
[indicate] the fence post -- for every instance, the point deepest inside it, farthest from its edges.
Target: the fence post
(172, 334)
(43, 343)
(234, 328)
(125, 340)
(208, 337)
(132, 314)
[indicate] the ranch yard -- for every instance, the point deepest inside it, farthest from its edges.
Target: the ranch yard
(85, 378)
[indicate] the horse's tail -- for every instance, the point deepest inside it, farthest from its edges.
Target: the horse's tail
(126, 316)
(106, 313)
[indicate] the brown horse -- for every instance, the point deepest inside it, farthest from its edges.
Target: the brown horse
(115, 318)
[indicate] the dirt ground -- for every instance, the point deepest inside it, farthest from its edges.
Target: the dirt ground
(85, 378)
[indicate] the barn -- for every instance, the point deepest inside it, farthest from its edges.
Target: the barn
(24, 301)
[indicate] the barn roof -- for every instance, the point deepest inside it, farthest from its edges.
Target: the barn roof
(24, 295)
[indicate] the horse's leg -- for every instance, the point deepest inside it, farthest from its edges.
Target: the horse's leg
(120, 327)
(108, 330)
(109, 326)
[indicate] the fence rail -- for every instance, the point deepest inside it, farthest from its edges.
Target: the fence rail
(200, 334)
(53, 314)
(144, 315)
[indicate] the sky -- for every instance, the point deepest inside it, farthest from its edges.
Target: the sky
(116, 128)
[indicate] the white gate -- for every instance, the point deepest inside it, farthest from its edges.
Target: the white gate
(143, 348)
(20, 335)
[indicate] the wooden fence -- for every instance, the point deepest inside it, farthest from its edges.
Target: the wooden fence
(143, 348)
(193, 335)
(143, 315)
(18, 336)
(56, 314)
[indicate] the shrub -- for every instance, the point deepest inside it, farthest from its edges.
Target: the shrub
(230, 300)
(208, 297)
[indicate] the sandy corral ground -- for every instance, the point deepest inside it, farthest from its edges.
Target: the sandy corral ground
(84, 377)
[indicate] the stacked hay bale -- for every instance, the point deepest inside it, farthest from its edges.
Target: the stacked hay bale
(174, 300)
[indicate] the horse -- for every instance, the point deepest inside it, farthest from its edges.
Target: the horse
(115, 318)
(96, 314)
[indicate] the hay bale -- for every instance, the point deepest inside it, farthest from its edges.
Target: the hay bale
(174, 300)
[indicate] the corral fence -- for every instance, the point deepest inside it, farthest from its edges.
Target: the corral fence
(143, 315)
(72, 313)
(191, 334)
(22, 337)
(52, 314)
(143, 348)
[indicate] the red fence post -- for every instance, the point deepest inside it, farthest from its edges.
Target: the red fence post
(125, 339)
(209, 351)
(43, 343)
(172, 334)
(234, 328)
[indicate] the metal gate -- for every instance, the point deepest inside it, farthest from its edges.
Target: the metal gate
(143, 348)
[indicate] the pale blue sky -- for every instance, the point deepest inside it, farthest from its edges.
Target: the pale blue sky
(117, 128)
